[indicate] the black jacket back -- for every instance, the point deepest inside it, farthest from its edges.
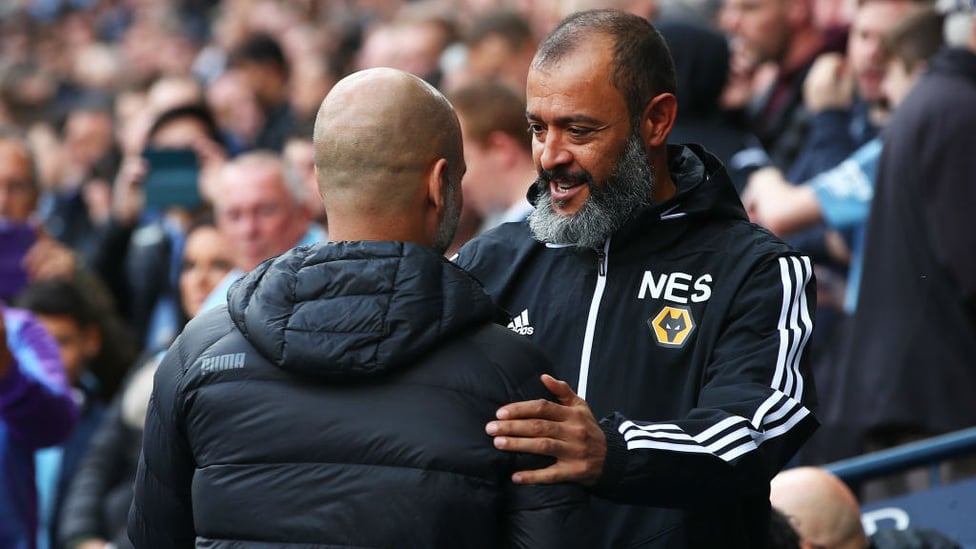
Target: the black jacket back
(340, 401)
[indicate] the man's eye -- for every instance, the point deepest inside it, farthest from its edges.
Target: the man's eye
(535, 129)
(577, 132)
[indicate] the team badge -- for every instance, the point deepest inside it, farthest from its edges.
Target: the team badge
(672, 326)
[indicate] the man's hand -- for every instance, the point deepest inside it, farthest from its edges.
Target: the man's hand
(566, 431)
(48, 259)
(771, 201)
(829, 84)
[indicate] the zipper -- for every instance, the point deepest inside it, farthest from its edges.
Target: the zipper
(601, 282)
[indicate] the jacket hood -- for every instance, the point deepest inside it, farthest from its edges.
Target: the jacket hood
(703, 192)
(353, 309)
(703, 186)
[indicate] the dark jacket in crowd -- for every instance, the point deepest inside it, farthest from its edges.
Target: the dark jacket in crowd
(910, 363)
(136, 265)
(701, 60)
(96, 505)
(686, 333)
(340, 400)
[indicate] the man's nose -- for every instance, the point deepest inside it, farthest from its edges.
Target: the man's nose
(554, 153)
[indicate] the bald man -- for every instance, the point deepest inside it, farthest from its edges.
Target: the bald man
(822, 509)
(825, 513)
(339, 399)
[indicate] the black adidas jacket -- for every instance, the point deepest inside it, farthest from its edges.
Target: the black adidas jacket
(340, 401)
(687, 334)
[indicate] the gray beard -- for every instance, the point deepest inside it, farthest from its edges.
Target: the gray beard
(628, 189)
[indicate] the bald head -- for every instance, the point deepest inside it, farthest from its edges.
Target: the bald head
(388, 159)
(377, 134)
(820, 506)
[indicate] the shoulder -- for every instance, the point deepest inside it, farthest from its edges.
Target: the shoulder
(502, 363)
(493, 254)
(200, 334)
(501, 239)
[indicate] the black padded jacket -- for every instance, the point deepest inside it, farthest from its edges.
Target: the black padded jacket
(340, 401)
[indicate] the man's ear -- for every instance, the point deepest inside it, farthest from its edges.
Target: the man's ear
(658, 119)
(436, 202)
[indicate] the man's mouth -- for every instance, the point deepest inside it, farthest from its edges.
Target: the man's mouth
(564, 185)
(564, 190)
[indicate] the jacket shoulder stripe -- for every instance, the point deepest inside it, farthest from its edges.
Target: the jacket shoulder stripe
(794, 325)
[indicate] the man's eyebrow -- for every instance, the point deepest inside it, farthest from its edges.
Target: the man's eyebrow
(569, 120)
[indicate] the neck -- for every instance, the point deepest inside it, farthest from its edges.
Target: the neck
(376, 229)
(663, 184)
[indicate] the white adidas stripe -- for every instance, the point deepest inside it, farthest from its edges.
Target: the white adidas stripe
(783, 405)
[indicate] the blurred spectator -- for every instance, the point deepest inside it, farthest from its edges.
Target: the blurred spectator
(26, 92)
(820, 507)
(36, 411)
(307, 46)
(95, 508)
(648, 9)
(500, 45)
(782, 33)
(497, 151)
(236, 111)
(299, 158)
(413, 41)
(843, 94)
(70, 212)
(140, 249)
(908, 372)
(263, 65)
(64, 312)
(172, 91)
(43, 257)
(701, 60)
(260, 210)
(825, 513)
(841, 198)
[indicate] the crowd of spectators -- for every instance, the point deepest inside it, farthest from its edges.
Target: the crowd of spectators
(155, 151)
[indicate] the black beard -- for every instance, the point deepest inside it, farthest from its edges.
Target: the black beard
(628, 189)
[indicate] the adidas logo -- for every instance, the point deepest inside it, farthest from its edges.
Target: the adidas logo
(520, 324)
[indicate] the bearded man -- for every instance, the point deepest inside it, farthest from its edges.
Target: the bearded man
(679, 323)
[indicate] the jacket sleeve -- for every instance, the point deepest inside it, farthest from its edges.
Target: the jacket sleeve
(162, 511)
(82, 513)
(541, 515)
(827, 144)
(36, 405)
(753, 410)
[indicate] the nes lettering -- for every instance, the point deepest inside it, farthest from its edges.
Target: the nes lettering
(676, 287)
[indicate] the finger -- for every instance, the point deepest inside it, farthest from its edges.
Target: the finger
(523, 428)
(543, 446)
(549, 475)
(539, 408)
(560, 389)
